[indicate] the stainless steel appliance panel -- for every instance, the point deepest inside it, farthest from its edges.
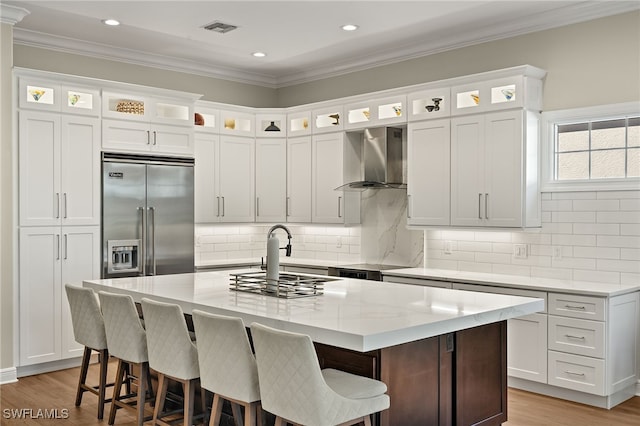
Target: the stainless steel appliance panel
(170, 235)
(123, 205)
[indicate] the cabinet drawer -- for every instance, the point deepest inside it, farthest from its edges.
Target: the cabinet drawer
(571, 305)
(576, 372)
(576, 336)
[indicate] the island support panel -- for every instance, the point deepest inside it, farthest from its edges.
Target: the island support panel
(454, 379)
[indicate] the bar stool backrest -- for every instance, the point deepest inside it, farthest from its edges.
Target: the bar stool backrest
(126, 337)
(227, 365)
(171, 350)
(88, 324)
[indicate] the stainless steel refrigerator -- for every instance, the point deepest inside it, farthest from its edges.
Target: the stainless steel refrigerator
(147, 215)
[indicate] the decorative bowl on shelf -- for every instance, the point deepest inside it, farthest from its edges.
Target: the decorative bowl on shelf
(508, 93)
(429, 107)
(397, 110)
(305, 123)
(366, 113)
(36, 94)
(335, 117)
(130, 107)
(198, 119)
(475, 98)
(272, 127)
(229, 123)
(73, 98)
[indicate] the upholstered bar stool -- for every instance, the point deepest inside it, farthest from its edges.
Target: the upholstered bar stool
(127, 341)
(88, 330)
(172, 354)
(296, 390)
(227, 366)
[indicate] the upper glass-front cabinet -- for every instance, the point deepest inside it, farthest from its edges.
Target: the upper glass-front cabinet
(237, 123)
(127, 106)
(503, 93)
(271, 125)
(328, 119)
(206, 119)
(429, 104)
(49, 96)
(299, 123)
(375, 112)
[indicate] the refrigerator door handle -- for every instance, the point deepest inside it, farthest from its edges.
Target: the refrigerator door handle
(152, 210)
(143, 253)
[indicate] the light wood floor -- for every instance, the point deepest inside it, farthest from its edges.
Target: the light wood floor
(57, 391)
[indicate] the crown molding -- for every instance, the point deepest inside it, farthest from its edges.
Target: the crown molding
(12, 14)
(567, 15)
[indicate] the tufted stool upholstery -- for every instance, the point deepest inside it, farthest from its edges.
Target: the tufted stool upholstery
(88, 330)
(227, 366)
(172, 354)
(293, 387)
(127, 341)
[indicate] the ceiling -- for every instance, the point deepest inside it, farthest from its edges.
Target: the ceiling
(303, 40)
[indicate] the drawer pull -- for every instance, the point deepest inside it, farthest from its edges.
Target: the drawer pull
(569, 336)
(573, 373)
(575, 308)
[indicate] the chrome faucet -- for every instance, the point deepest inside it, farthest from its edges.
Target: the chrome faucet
(273, 254)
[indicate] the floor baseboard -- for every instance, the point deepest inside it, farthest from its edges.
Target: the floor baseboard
(8, 375)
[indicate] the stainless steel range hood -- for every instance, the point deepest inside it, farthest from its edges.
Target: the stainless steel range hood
(382, 161)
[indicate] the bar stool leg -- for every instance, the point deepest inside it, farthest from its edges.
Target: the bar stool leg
(86, 356)
(216, 410)
(237, 413)
(104, 361)
(189, 397)
(117, 390)
(163, 383)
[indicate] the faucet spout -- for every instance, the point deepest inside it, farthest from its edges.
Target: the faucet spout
(287, 248)
(273, 256)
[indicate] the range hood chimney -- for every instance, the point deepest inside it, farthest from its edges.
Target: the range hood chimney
(382, 161)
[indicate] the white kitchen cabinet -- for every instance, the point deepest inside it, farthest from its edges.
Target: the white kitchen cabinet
(146, 138)
(331, 155)
(494, 170)
(428, 172)
(375, 112)
(50, 257)
(429, 104)
(271, 180)
(237, 123)
(415, 281)
(59, 158)
(527, 347)
(298, 123)
(224, 178)
(298, 201)
(327, 119)
(271, 124)
(47, 95)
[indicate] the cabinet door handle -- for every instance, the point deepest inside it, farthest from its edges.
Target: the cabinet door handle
(569, 336)
(573, 373)
(155, 137)
(286, 207)
(408, 206)
(217, 206)
(222, 206)
(64, 195)
(486, 208)
(57, 246)
(148, 137)
(339, 205)
(575, 308)
(57, 207)
(152, 210)
(65, 246)
(257, 206)
(479, 205)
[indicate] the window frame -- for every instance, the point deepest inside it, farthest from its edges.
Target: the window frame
(576, 115)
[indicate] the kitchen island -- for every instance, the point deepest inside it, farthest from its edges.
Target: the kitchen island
(441, 352)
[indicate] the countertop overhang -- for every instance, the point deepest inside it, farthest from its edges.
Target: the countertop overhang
(353, 314)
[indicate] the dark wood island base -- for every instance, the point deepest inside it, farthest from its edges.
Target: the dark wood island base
(458, 378)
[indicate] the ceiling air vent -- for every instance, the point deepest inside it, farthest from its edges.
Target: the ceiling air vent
(220, 27)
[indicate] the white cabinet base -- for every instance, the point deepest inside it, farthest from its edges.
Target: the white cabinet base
(607, 402)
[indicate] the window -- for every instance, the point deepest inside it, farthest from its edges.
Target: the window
(592, 148)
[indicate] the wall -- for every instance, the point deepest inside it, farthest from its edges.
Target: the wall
(6, 200)
(213, 89)
(246, 241)
(591, 63)
(598, 234)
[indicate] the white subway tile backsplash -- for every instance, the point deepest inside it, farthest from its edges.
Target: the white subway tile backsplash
(574, 217)
(619, 217)
(596, 229)
(597, 233)
(596, 205)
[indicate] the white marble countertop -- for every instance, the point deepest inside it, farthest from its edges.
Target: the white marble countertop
(353, 314)
(284, 261)
(516, 281)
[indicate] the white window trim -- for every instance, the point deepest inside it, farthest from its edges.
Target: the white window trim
(551, 118)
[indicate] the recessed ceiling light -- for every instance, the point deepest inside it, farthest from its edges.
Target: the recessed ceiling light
(259, 54)
(349, 27)
(111, 22)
